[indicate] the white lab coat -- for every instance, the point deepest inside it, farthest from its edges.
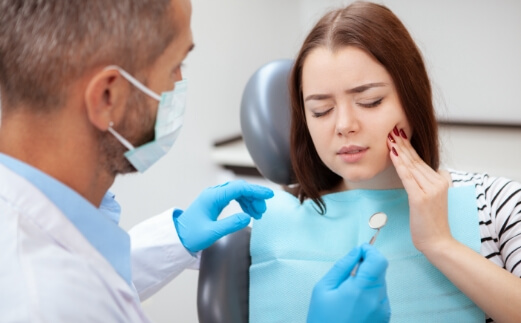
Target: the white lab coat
(50, 273)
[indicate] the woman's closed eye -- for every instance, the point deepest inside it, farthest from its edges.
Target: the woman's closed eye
(371, 104)
(318, 114)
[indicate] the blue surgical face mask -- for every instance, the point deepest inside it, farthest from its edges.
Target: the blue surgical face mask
(170, 115)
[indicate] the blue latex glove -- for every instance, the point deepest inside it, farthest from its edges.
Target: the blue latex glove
(339, 297)
(198, 227)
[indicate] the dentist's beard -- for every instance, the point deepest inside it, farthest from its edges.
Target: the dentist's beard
(139, 119)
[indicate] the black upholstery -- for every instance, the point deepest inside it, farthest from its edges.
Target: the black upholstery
(265, 120)
(222, 293)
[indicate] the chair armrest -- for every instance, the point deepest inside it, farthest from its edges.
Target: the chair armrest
(224, 279)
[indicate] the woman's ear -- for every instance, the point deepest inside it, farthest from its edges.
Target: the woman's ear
(105, 98)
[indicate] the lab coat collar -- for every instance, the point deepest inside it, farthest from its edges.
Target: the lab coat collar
(98, 226)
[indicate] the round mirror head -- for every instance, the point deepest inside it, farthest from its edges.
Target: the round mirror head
(377, 220)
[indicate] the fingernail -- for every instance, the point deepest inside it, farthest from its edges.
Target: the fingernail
(394, 151)
(391, 138)
(403, 134)
(395, 130)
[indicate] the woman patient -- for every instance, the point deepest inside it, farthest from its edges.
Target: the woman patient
(364, 139)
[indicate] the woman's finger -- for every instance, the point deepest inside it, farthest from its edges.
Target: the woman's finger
(423, 173)
(409, 180)
(411, 172)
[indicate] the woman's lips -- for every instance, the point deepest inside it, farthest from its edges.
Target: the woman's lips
(352, 154)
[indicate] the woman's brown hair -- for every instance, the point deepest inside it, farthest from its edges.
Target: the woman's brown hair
(376, 30)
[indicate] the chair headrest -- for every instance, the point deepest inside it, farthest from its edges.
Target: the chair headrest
(265, 121)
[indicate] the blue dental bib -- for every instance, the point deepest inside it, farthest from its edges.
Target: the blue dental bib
(293, 246)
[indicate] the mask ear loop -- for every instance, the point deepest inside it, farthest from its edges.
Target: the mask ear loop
(134, 82)
(122, 140)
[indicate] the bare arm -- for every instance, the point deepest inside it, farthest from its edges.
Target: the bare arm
(495, 290)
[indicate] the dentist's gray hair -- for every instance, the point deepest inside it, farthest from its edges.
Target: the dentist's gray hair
(47, 44)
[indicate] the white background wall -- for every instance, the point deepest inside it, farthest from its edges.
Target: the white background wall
(233, 38)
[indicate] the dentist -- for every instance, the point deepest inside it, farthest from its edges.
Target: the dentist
(87, 94)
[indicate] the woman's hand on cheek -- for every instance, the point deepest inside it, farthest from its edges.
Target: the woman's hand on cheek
(427, 191)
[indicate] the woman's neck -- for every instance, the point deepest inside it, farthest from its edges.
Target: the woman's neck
(385, 180)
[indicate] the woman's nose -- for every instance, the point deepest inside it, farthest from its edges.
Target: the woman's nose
(347, 121)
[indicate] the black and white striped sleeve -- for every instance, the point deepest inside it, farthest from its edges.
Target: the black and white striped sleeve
(499, 208)
(504, 197)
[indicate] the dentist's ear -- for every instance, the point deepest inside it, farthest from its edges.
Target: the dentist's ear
(106, 97)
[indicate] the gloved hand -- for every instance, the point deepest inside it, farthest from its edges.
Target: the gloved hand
(339, 297)
(198, 227)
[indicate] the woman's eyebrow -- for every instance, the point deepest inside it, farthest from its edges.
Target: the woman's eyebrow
(317, 97)
(358, 89)
(365, 87)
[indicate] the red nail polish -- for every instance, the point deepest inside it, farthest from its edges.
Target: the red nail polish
(391, 138)
(395, 130)
(394, 151)
(403, 134)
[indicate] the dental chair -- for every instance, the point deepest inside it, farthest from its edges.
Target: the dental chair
(223, 287)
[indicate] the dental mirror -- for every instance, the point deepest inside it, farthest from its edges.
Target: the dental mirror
(376, 221)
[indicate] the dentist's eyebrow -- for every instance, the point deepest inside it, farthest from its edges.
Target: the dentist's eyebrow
(358, 89)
